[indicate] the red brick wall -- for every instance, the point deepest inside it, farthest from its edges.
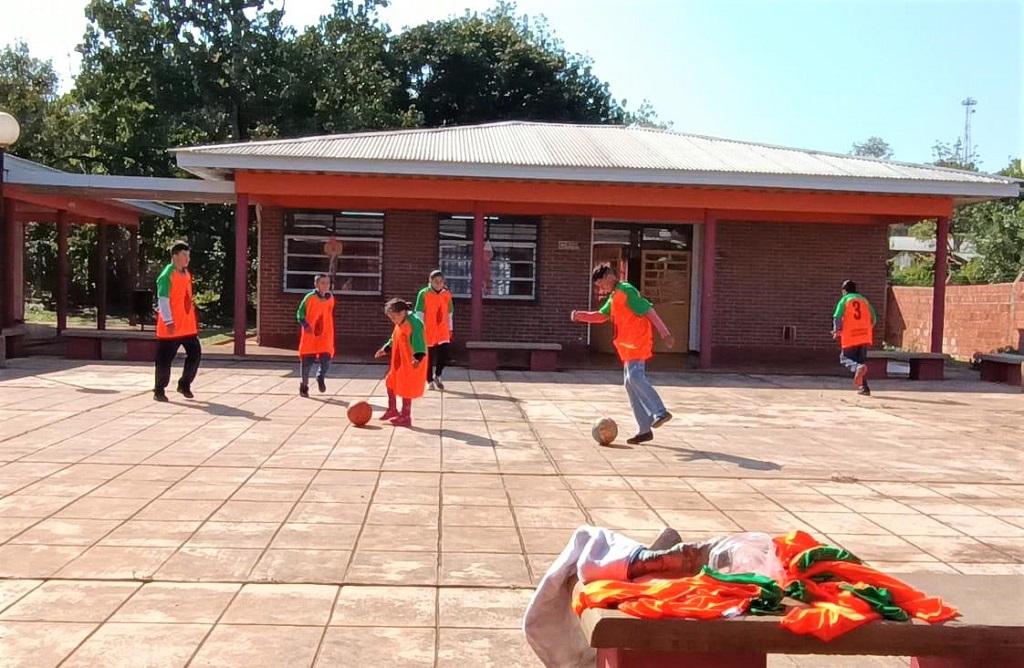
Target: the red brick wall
(979, 318)
(774, 274)
(410, 253)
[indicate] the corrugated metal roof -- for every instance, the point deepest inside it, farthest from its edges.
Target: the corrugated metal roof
(566, 146)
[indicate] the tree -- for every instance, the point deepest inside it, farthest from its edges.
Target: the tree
(873, 147)
(997, 231)
(495, 66)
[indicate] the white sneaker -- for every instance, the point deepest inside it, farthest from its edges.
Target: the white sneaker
(432, 386)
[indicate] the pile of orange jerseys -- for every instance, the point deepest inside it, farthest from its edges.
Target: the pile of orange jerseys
(838, 592)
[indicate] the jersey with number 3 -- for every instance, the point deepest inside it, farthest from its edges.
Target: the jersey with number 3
(858, 321)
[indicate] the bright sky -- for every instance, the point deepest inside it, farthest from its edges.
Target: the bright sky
(816, 74)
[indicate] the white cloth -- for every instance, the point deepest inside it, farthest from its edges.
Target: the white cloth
(551, 627)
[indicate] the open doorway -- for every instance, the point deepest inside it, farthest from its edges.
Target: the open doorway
(658, 260)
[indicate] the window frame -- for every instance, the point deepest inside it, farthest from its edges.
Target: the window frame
(379, 257)
(532, 221)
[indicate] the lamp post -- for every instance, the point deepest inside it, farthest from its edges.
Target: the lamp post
(9, 131)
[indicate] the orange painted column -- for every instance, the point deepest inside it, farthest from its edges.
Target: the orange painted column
(241, 270)
(476, 325)
(101, 275)
(939, 286)
(63, 270)
(707, 287)
(8, 277)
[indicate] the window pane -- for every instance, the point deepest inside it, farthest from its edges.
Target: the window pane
(509, 288)
(667, 238)
(611, 235)
(335, 223)
(513, 254)
(458, 286)
(455, 228)
(521, 270)
(359, 284)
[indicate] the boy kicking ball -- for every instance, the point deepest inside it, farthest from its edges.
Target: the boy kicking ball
(633, 318)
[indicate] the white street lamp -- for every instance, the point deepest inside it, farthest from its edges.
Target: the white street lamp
(9, 130)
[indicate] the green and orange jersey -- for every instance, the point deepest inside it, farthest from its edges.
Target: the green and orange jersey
(437, 309)
(316, 311)
(854, 318)
(175, 305)
(634, 338)
(407, 343)
(838, 593)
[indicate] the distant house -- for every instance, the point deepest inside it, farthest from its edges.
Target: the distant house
(905, 250)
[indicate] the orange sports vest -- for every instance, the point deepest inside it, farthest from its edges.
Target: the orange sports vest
(182, 309)
(319, 338)
(858, 330)
(634, 339)
(404, 380)
(436, 309)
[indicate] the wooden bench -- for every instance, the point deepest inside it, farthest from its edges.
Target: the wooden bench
(989, 633)
(923, 366)
(483, 355)
(87, 344)
(1001, 367)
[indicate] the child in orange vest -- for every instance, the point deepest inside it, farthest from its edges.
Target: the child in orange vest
(407, 375)
(633, 318)
(434, 307)
(316, 342)
(853, 323)
(176, 323)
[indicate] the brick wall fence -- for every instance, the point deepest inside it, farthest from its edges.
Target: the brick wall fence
(979, 318)
(774, 275)
(410, 253)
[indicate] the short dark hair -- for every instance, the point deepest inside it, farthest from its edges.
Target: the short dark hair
(179, 246)
(602, 271)
(849, 286)
(437, 272)
(316, 279)
(397, 305)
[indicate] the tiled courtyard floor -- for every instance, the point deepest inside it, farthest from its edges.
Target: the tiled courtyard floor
(252, 527)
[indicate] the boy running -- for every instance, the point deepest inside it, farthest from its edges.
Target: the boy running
(853, 323)
(176, 324)
(407, 376)
(316, 343)
(632, 316)
(435, 308)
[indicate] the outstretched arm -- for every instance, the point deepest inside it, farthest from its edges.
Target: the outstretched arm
(590, 317)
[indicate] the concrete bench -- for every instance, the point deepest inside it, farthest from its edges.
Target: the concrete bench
(9, 337)
(923, 366)
(988, 634)
(87, 344)
(483, 355)
(1001, 367)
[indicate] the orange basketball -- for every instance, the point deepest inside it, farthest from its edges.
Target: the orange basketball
(359, 413)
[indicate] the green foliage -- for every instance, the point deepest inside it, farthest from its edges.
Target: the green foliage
(873, 147)
(495, 66)
(920, 274)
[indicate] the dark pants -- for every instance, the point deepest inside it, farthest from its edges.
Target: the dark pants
(851, 358)
(165, 352)
(306, 362)
(436, 361)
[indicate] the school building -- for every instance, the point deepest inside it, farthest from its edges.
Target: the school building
(742, 247)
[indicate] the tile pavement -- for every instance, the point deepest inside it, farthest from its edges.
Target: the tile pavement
(253, 527)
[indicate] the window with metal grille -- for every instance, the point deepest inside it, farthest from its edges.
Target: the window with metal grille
(511, 243)
(354, 239)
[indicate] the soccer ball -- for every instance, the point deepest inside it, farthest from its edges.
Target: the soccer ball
(604, 431)
(359, 413)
